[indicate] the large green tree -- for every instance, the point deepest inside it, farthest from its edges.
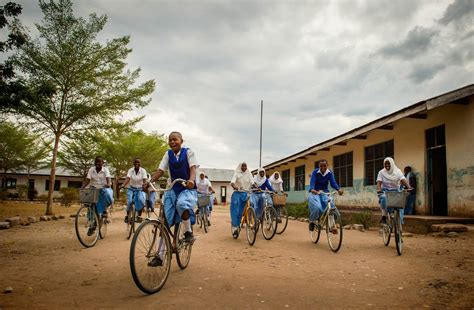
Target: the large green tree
(121, 145)
(78, 154)
(78, 82)
(11, 88)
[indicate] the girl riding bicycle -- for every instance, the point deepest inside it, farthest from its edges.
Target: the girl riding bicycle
(388, 180)
(258, 198)
(317, 199)
(181, 163)
(99, 177)
(204, 188)
(242, 180)
(137, 177)
(276, 182)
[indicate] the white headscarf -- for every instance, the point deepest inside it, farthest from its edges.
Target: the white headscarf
(394, 173)
(242, 178)
(258, 179)
(275, 181)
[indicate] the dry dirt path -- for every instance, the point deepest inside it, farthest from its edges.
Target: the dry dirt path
(48, 268)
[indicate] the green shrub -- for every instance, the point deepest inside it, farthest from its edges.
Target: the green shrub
(22, 191)
(298, 209)
(32, 193)
(43, 197)
(3, 194)
(68, 196)
(364, 218)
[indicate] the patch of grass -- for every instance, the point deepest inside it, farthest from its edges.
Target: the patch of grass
(298, 209)
(27, 208)
(364, 218)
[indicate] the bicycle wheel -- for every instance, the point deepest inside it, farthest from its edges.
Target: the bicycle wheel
(269, 222)
(386, 232)
(398, 233)
(334, 230)
(316, 233)
(86, 226)
(251, 225)
(103, 226)
(150, 256)
(198, 218)
(183, 248)
(131, 222)
(205, 223)
(282, 213)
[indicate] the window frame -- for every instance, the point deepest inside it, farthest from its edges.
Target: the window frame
(342, 170)
(375, 162)
(300, 178)
(285, 176)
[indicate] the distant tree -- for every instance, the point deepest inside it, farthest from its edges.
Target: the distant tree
(21, 149)
(77, 83)
(78, 154)
(120, 146)
(11, 89)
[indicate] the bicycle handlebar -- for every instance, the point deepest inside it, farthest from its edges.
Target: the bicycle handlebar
(182, 181)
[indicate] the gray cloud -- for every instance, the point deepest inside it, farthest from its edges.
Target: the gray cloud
(417, 41)
(314, 63)
(457, 10)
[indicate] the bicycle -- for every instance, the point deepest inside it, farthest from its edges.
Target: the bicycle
(87, 218)
(249, 219)
(269, 218)
(152, 247)
(330, 220)
(395, 202)
(279, 203)
(131, 213)
(202, 219)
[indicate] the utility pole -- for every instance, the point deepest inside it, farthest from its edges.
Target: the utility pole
(261, 124)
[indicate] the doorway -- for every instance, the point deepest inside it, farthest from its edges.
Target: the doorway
(223, 194)
(437, 171)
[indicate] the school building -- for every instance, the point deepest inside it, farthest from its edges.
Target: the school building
(435, 137)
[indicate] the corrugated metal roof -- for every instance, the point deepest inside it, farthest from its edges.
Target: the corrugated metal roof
(217, 175)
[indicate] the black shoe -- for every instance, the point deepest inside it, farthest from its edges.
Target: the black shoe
(235, 234)
(139, 219)
(383, 220)
(208, 223)
(91, 231)
(188, 237)
(156, 262)
(312, 226)
(126, 219)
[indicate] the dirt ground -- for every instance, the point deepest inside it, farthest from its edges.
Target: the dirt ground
(48, 268)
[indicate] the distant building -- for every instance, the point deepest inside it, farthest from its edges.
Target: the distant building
(435, 137)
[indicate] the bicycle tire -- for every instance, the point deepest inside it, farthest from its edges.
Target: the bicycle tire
(131, 221)
(284, 219)
(85, 218)
(269, 223)
(336, 216)
(103, 227)
(137, 266)
(398, 233)
(251, 226)
(183, 248)
(316, 233)
(386, 232)
(205, 223)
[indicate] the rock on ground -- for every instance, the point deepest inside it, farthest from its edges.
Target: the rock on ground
(348, 227)
(4, 225)
(43, 218)
(31, 219)
(452, 234)
(8, 289)
(358, 227)
(14, 221)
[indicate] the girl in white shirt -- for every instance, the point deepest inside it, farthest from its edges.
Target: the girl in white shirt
(204, 187)
(388, 180)
(137, 178)
(242, 179)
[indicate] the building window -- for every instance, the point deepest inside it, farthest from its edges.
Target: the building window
(285, 176)
(57, 185)
(9, 183)
(374, 156)
(300, 178)
(343, 169)
(74, 184)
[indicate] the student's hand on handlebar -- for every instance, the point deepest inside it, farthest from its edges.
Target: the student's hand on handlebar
(340, 192)
(313, 191)
(190, 184)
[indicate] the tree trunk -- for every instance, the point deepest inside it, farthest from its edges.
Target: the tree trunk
(52, 176)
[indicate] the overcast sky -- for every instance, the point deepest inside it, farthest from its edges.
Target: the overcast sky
(321, 67)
